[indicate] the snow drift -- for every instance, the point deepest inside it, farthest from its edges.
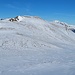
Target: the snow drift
(30, 45)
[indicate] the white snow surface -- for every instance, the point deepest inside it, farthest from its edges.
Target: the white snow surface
(33, 46)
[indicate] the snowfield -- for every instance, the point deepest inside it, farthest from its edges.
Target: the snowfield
(33, 46)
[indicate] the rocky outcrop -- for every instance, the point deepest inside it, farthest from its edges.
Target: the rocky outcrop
(17, 18)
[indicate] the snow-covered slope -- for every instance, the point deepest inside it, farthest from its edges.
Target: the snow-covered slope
(30, 45)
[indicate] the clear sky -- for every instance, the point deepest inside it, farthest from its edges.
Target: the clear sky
(63, 10)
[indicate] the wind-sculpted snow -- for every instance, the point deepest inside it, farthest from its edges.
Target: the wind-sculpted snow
(30, 45)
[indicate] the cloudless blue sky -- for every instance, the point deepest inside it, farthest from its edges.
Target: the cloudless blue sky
(63, 10)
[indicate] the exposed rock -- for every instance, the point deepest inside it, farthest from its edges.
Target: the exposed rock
(17, 18)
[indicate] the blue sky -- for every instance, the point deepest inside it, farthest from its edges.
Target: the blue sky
(63, 10)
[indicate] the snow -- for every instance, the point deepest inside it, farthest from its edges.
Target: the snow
(20, 18)
(33, 46)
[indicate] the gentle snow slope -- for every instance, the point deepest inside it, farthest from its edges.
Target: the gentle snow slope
(32, 46)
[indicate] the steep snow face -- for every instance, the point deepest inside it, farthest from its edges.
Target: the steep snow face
(33, 46)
